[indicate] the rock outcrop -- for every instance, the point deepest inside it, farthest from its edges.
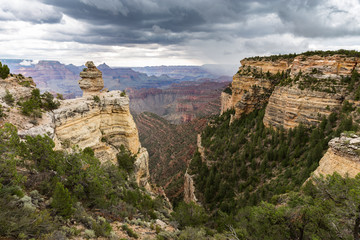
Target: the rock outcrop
(268, 66)
(99, 120)
(250, 88)
(103, 125)
(91, 81)
(343, 157)
(189, 189)
(226, 102)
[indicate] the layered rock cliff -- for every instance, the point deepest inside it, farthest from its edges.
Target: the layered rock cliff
(290, 106)
(251, 87)
(103, 125)
(307, 87)
(343, 157)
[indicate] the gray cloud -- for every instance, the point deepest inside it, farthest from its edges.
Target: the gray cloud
(136, 21)
(204, 29)
(21, 10)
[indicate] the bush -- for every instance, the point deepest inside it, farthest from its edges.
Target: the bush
(48, 102)
(4, 71)
(62, 202)
(129, 231)
(59, 96)
(8, 98)
(228, 90)
(101, 228)
(123, 93)
(190, 214)
(126, 160)
(31, 107)
(96, 99)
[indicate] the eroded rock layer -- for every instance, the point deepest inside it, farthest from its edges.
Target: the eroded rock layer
(289, 106)
(330, 65)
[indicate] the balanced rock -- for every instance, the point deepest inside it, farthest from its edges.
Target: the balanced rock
(91, 81)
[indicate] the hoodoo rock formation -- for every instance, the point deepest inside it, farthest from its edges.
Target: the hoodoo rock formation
(91, 81)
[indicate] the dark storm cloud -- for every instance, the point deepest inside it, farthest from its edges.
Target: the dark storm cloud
(116, 22)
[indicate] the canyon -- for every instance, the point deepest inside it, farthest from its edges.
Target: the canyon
(181, 102)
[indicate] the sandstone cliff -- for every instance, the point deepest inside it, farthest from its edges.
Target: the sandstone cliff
(343, 157)
(307, 87)
(250, 87)
(102, 125)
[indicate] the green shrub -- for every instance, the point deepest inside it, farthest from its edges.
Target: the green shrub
(2, 114)
(123, 93)
(31, 107)
(62, 201)
(48, 102)
(4, 71)
(129, 231)
(126, 159)
(190, 215)
(101, 228)
(59, 96)
(9, 98)
(228, 90)
(96, 99)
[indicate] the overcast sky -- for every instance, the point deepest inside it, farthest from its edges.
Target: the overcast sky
(173, 32)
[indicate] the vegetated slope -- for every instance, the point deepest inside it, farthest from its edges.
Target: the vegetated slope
(170, 148)
(89, 194)
(247, 163)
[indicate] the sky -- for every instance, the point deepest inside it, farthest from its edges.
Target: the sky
(173, 32)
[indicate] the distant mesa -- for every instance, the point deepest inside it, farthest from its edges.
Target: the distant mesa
(91, 81)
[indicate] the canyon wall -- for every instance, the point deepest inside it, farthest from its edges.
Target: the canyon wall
(250, 88)
(307, 88)
(290, 106)
(181, 102)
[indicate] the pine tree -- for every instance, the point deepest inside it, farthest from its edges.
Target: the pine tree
(62, 202)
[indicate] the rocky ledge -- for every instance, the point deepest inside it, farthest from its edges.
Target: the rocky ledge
(343, 156)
